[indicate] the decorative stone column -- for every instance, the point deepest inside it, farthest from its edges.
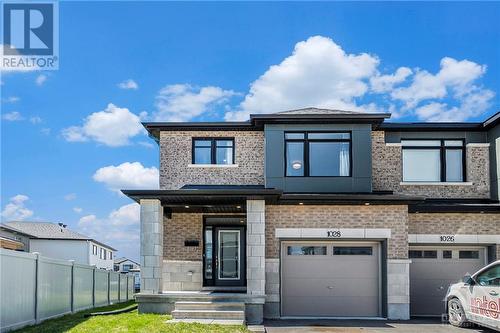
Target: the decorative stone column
(151, 246)
(256, 261)
(398, 289)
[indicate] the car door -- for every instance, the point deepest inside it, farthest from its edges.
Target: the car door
(484, 304)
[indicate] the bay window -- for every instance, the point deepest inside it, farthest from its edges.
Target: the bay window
(433, 160)
(318, 154)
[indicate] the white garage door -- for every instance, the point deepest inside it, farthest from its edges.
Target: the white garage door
(433, 269)
(330, 279)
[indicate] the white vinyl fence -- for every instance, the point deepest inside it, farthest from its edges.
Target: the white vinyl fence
(34, 288)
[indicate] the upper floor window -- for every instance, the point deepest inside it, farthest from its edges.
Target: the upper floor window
(433, 160)
(213, 150)
(310, 154)
(110, 255)
(94, 250)
(127, 267)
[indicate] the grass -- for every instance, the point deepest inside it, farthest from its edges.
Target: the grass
(124, 322)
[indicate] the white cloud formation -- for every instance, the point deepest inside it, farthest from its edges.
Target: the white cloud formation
(120, 229)
(319, 73)
(35, 120)
(183, 102)
(128, 176)
(11, 99)
(40, 79)
(45, 131)
(16, 209)
(384, 83)
(77, 210)
(12, 116)
(70, 196)
(112, 127)
(128, 85)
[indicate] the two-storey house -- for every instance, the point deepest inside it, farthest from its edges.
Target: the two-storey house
(317, 213)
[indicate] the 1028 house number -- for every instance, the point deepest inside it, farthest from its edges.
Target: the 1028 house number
(447, 238)
(333, 234)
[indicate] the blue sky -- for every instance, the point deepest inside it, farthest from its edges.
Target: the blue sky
(72, 137)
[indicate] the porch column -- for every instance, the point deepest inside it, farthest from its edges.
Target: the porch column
(151, 246)
(256, 245)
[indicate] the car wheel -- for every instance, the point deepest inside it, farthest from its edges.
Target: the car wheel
(456, 313)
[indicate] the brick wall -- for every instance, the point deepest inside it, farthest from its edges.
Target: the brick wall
(182, 226)
(387, 173)
(454, 223)
(393, 217)
(176, 155)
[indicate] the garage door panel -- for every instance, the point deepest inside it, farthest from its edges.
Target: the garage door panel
(340, 285)
(325, 306)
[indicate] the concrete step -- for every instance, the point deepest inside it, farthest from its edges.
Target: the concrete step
(210, 321)
(210, 305)
(209, 314)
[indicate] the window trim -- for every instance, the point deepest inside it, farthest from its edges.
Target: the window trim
(442, 158)
(213, 149)
(305, 157)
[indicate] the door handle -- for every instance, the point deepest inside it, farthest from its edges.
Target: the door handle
(493, 293)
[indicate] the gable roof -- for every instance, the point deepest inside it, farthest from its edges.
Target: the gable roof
(319, 111)
(47, 230)
(122, 259)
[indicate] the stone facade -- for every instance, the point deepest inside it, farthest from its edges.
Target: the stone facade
(151, 246)
(454, 223)
(176, 158)
(387, 172)
(256, 240)
(182, 275)
(394, 217)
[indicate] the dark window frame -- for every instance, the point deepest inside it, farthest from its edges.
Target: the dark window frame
(305, 157)
(442, 154)
(213, 148)
(351, 253)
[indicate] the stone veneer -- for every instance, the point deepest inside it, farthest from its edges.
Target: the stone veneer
(151, 246)
(176, 157)
(387, 172)
(394, 217)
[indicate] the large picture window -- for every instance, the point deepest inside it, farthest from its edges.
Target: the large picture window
(316, 154)
(433, 160)
(213, 151)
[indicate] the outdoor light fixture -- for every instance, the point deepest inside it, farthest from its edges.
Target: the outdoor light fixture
(238, 207)
(186, 206)
(301, 203)
(296, 165)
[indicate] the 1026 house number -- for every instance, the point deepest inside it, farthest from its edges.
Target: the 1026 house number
(333, 234)
(447, 238)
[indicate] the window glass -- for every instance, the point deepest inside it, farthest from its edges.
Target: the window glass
(454, 143)
(329, 136)
(447, 254)
(329, 159)
(421, 143)
(353, 250)
(224, 143)
(296, 136)
(306, 250)
(490, 277)
(294, 159)
(224, 155)
(208, 253)
(421, 165)
(202, 155)
(427, 254)
(415, 254)
(468, 254)
(454, 171)
(430, 254)
(202, 143)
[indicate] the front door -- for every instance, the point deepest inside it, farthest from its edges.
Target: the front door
(224, 256)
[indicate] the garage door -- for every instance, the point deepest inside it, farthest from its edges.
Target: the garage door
(330, 279)
(433, 269)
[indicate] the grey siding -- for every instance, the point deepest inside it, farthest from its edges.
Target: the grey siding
(361, 161)
(494, 140)
(470, 137)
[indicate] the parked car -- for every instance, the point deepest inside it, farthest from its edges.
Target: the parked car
(476, 299)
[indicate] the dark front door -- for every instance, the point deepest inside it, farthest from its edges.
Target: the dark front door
(224, 256)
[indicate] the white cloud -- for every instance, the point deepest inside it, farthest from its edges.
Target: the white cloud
(128, 176)
(183, 102)
(16, 209)
(120, 229)
(70, 196)
(35, 120)
(11, 99)
(146, 144)
(318, 73)
(128, 85)
(40, 79)
(113, 127)
(384, 83)
(77, 210)
(12, 116)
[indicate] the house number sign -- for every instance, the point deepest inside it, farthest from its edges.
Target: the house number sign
(333, 234)
(447, 238)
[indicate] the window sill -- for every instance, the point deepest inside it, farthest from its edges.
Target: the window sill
(212, 165)
(437, 183)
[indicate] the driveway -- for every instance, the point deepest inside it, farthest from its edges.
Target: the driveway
(366, 326)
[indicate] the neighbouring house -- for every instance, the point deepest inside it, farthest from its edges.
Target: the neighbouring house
(54, 240)
(125, 265)
(13, 239)
(317, 213)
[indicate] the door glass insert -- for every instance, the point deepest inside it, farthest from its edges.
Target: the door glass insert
(208, 253)
(229, 254)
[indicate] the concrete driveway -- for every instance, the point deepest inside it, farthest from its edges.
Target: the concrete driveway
(366, 326)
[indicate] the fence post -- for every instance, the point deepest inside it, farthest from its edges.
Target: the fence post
(127, 285)
(109, 288)
(72, 286)
(119, 287)
(93, 287)
(37, 277)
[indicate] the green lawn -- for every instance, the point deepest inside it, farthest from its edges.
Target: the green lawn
(124, 322)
